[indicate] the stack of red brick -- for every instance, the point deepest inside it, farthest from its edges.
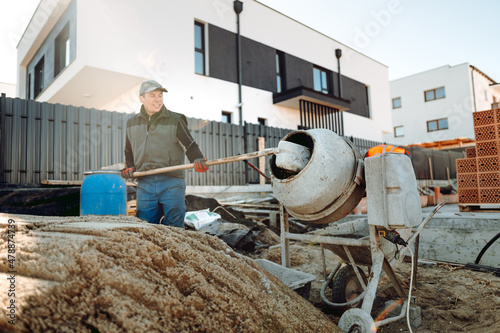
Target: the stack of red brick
(478, 175)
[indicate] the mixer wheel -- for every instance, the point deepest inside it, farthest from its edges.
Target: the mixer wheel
(357, 321)
(345, 285)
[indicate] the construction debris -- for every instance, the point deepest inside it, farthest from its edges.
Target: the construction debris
(36, 200)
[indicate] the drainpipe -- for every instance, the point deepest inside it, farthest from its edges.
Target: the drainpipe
(338, 54)
(473, 89)
(238, 8)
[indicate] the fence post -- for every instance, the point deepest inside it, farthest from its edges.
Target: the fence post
(262, 162)
(245, 147)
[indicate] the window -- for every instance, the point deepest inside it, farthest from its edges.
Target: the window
(280, 72)
(399, 131)
(321, 80)
(61, 59)
(28, 88)
(396, 103)
(433, 94)
(437, 124)
(199, 48)
(262, 121)
(367, 91)
(226, 117)
(38, 78)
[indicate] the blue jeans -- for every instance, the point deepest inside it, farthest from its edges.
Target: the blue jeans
(159, 195)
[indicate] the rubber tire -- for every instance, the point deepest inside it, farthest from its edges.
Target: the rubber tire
(341, 281)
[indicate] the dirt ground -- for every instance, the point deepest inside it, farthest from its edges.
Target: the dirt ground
(452, 299)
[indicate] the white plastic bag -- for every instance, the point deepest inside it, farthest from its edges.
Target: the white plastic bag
(200, 218)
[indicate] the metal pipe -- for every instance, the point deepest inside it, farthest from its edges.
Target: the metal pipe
(238, 8)
(377, 263)
(258, 170)
(393, 278)
(338, 54)
(323, 258)
(354, 267)
(285, 241)
(473, 88)
(415, 267)
(328, 239)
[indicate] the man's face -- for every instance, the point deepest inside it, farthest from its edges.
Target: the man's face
(152, 101)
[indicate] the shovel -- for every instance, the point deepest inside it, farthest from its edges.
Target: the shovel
(290, 151)
(242, 157)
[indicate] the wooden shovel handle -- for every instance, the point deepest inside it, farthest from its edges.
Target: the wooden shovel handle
(242, 157)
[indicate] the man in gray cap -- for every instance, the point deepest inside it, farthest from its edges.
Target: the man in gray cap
(157, 138)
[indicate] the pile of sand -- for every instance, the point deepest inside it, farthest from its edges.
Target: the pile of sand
(116, 274)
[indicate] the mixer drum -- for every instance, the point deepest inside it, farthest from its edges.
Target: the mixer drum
(330, 185)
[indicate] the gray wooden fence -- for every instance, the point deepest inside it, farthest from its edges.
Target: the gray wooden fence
(43, 141)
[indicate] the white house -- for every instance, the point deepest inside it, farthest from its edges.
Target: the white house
(96, 53)
(434, 108)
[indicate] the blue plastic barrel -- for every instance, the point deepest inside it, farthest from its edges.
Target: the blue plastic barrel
(103, 192)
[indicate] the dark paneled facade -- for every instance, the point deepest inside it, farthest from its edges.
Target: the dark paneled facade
(259, 65)
(46, 59)
(222, 58)
(259, 69)
(356, 92)
(258, 60)
(299, 73)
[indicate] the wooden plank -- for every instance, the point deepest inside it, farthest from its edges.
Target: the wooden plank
(73, 182)
(490, 208)
(219, 161)
(262, 161)
(62, 182)
(273, 207)
(132, 208)
(255, 211)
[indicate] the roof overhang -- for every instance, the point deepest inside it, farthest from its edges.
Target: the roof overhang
(290, 98)
(93, 87)
(446, 144)
(495, 87)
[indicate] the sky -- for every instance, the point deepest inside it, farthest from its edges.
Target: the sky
(14, 17)
(408, 36)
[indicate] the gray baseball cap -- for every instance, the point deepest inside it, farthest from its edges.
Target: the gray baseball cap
(150, 85)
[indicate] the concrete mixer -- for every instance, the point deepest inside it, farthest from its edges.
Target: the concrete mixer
(328, 186)
(320, 177)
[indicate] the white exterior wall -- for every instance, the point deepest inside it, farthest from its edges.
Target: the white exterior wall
(8, 89)
(483, 93)
(457, 106)
(122, 43)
